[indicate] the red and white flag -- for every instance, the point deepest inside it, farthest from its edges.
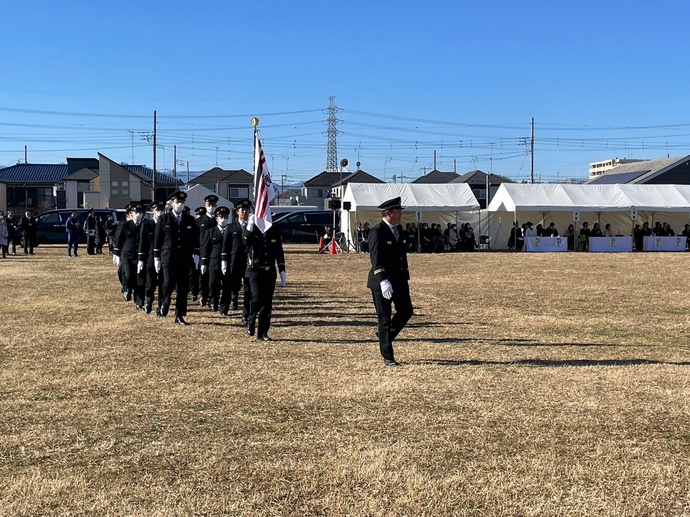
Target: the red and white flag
(263, 188)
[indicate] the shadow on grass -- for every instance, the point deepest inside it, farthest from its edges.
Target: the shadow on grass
(547, 363)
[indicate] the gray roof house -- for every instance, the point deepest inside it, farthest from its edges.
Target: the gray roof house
(667, 171)
(234, 185)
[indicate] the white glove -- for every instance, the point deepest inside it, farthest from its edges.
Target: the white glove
(203, 269)
(251, 222)
(283, 278)
(157, 264)
(140, 266)
(386, 289)
(116, 260)
(196, 261)
(224, 267)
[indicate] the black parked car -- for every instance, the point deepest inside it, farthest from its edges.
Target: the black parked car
(51, 224)
(306, 226)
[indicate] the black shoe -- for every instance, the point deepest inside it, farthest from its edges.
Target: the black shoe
(163, 310)
(194, 298)
(214, 308)
(224, 314)
(264, 337)
(140, 308)
(128, 295)
(392, 363)
(203, 301)
(158, 313)
(179, 320)
(250, 331)
(233, 306)
(148, 308)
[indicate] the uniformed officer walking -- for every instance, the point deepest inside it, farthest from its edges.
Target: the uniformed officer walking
(205, 221)
(126, 255)
(154, 281)
(389, 277)
(235, 263)
(176, 252)
(195, 274)
(264, 251)
(211, 256)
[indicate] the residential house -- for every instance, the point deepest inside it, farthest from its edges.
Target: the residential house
(436, 176)
(478, 182)
(360, 176)
(667, 171)
(316, 190)
(234, 185)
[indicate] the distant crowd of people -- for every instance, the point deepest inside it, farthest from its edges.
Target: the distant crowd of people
(427, 238)
(518, 233)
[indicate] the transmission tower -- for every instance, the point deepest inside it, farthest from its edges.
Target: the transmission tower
(332, 132)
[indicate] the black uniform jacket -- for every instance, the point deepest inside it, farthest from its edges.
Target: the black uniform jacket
(235, 250)
(212, 247)
(264, 250)
(175, 242)
(126, 244)
(146, 237)
(388, 256)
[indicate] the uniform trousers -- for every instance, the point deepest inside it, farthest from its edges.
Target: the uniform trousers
(390, 325)
(72, 243)
(262, 285)
(154, 282)
(216, 283)
(176, 275)
(136, 282)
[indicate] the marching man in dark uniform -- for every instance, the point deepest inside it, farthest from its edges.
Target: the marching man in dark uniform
(389, 277)
(205, 221)
(154, 281)
(194, 275)
(264, 251)
(176, 252)
(126, 255)
(211, 251)
(235, 263)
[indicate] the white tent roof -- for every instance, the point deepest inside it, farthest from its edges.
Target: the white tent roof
(419, 197)
(512, 197)
(197, 193)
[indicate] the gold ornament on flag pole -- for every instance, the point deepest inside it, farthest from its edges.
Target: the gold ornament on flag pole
(255, 121)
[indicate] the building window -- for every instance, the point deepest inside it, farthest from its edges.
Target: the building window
(211, 187)
(120, 188)
(44, 195)
(236, 192)
(319, 192)
(479, 193)
(83, 186)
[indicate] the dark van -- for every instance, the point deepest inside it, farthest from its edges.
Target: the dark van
(306, 226)
(51, 224)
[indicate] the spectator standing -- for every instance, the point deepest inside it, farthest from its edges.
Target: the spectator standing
(29, 232)
(4, 234)
(91, 229)
(110, 230)
(72, 226)
(11, 234)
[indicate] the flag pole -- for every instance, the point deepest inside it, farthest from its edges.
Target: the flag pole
(255, 124)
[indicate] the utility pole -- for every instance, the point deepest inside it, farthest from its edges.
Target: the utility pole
(153, 176)
(175, 161)
(435, 160)
(26, 154)
(531, 175)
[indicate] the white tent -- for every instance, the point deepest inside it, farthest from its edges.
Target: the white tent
(197, 193)
(613, 204)
(423, 202)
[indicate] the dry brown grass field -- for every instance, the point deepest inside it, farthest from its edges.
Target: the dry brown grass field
(552, 384)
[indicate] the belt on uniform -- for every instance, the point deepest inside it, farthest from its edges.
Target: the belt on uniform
(261, 268)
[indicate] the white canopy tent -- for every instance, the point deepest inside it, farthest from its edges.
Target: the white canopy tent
(562, 204)
(430, 203)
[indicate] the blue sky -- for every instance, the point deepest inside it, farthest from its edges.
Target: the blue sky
(602, 79)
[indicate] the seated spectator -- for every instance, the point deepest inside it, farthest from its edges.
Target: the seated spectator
(596, 231)
(426, 238)
(550, 231)
(668, 231)
(570, 235)
(365, 238)
(540, 230)
(585, 233)
(468, 241)
(646, 230)
(453, 238)
(529, 230)
(658, 229)
(608, 232)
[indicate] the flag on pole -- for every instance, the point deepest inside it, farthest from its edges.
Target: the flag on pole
(263, 188)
